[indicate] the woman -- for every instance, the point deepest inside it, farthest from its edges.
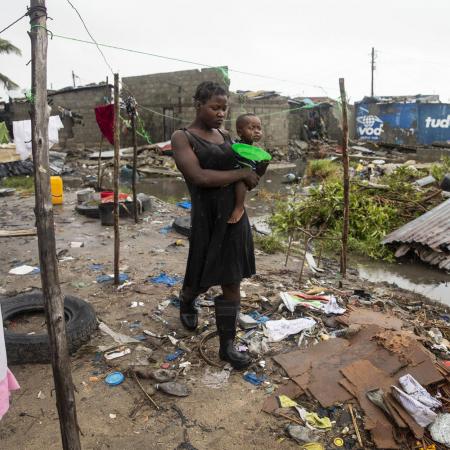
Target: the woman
(220, 254)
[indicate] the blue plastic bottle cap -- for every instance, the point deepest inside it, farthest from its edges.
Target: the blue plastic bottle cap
(114, 379)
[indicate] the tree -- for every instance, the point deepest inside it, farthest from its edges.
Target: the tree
(7, 48)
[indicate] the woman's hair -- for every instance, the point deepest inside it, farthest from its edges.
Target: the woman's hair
(207, 89)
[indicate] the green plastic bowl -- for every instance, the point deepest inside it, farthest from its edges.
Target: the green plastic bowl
(251, 152)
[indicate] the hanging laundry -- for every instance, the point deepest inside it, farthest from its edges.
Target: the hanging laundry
(104, 115)
(22, 135)
(8, 382)
(4, 135)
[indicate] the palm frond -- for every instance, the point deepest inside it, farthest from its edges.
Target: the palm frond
(7, 47)
(7, 83)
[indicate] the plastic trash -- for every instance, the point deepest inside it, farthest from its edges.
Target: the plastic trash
(376, 397)
(96, 267)
(440, 430)
(24, 270)
(422, 414)
(106, 278)
(258, 317)
(246, 322)
(277, 330)
(115, 378)
(286, 402)
(173, 356)
(302, 434)
(117, 353)
(312, 446)
(163, 278)
(163, 375)
(215, 379)
(252, 378)
(185, 205)
(413, 388)
(425, 181)
(166, 229)
(173, 388)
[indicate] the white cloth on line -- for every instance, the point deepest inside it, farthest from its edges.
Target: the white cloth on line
(22, 135)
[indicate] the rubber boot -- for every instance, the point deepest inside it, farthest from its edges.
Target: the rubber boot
(226, 320)
(188, 312)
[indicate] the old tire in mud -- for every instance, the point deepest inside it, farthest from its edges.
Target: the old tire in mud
(23, 348)
(182, 225)
(88, 210)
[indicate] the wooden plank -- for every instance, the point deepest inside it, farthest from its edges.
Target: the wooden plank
(14, 233)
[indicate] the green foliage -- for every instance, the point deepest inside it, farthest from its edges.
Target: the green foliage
(22, 183)
(374, 212)
(440, 169)
(6, 48)
(269, 244)
(323, 169)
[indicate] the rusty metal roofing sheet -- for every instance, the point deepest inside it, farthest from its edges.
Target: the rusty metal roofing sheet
(431, 229)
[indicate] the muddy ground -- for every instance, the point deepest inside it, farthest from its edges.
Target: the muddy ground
(119, 417)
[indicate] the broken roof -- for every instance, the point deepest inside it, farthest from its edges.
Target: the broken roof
(431, 229)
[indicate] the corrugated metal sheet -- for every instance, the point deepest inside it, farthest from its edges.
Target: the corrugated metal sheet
(431, 229)
(428, 236)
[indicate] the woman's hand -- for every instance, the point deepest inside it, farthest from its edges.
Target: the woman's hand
(251, 180)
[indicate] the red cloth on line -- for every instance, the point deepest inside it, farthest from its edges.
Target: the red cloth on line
(104, 115)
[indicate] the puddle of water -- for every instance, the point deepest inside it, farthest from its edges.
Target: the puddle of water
(413, 277)
(171, 189)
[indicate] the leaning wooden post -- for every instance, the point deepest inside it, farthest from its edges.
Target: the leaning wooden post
(99, 168)
(345, 162)
(116, 177)
(53, 299)
(131, 109)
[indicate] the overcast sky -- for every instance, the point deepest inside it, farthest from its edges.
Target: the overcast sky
(312, 43)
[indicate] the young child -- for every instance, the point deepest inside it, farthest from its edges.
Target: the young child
(248, 127)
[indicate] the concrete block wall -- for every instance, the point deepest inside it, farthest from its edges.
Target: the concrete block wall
(172, 90)
(274, 118)
(82, 101)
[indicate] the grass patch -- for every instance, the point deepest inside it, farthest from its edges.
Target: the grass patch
(324, 169)
(269, 244)
(440, 169)
(22, 183)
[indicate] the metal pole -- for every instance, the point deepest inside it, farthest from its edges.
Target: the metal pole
(345, 161)
(53, 298)
(116, 178)
(372, 71)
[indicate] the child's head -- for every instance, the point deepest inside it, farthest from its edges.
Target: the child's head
(248, 127)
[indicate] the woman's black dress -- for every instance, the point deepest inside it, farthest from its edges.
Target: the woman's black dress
(219, 253)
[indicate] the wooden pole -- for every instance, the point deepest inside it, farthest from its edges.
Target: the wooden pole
(133, 181)
(53, 299)
(116, 178)
(99, 170)
(345, 161)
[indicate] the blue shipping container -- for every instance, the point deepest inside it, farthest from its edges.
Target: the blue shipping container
(434, 123)
(388, 122)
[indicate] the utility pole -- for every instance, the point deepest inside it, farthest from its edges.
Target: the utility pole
(132, 114)
(116, 178)
(53, 298)
(345, 161)
(73, 79)
(372, 70)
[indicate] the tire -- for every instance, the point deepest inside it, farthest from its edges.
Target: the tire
(22, 348)
(88, 210)
(182, 225)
